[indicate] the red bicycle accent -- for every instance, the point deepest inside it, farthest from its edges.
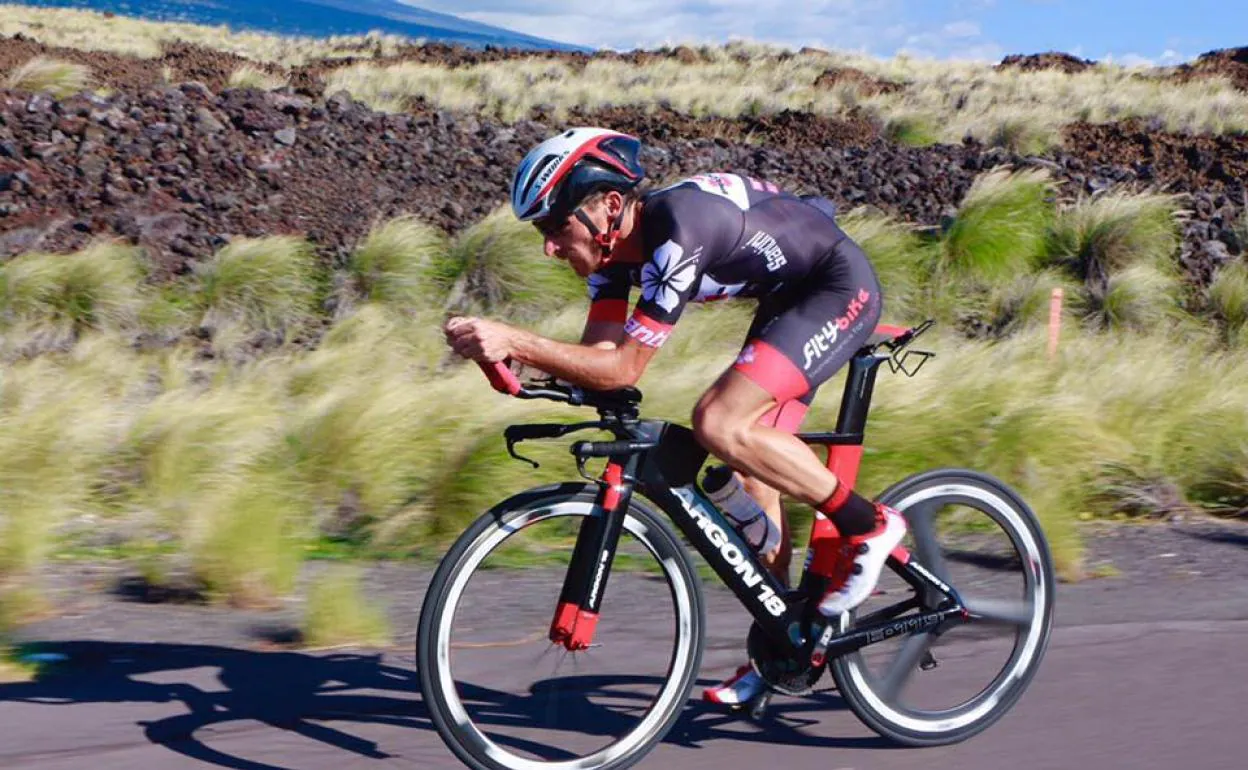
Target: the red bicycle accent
(501, 377)
(573, 627)
(612, 476)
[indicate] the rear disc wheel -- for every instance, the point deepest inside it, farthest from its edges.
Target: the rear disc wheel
(947, 684)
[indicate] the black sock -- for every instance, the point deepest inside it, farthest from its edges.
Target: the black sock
(852, 513)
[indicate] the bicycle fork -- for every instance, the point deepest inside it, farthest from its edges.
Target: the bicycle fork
(576, 615)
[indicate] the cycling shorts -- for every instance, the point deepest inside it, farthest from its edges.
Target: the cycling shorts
(799, 340)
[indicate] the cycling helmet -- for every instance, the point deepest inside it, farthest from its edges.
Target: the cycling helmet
(562, 171)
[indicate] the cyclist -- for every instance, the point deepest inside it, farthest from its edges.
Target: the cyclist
(709, 237)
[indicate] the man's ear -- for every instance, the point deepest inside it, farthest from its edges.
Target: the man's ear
(615, 203)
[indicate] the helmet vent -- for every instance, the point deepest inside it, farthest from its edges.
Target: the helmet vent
(536, 174)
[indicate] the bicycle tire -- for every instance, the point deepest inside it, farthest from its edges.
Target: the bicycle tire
(448, 714)
(929, 491)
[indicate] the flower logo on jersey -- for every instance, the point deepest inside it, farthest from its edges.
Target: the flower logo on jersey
(667, 275)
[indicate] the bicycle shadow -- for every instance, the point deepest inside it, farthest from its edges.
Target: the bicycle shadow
(303, 692)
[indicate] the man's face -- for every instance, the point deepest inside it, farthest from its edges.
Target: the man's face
(570, 240)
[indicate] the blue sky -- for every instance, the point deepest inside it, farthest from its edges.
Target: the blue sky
(1138, 32)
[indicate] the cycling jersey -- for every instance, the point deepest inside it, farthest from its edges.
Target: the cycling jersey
(717, 236)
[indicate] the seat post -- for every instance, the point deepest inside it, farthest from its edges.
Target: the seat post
(856, 400)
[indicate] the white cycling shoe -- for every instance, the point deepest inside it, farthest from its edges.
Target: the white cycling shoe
(870, 552)
(737, 691)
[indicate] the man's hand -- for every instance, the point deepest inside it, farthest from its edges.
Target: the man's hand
(478, 338)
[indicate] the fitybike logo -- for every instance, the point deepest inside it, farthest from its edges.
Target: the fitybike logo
(765, 245)
(825, 339)
(733, 555)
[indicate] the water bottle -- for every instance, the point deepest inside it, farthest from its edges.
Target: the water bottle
(748, 517)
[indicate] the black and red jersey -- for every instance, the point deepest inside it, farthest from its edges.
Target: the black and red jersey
(712, 237)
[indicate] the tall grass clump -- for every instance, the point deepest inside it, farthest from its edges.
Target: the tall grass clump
(1140, 297)
(60, 418)
(1121, 247)
(392, 263)
(339, 612)
(363, 437)
(1024, 134)
(1115, 230)
(1014, 305)
(499, 263)
(248, 539)
(999, 231)
(264, 284)
(194, 440)
(50, 298)
(12, 667)
(57, 77)
(251, 76)
(911, 130)
(1227, 296)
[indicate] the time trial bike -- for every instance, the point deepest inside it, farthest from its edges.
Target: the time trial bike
(523, 595)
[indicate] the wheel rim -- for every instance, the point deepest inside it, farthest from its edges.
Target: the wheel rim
(1026, 615)
(471, 736)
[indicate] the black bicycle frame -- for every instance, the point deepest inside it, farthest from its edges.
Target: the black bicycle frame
(662, 459)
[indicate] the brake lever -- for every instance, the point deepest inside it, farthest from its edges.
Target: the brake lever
(514, 434)
(511, 450)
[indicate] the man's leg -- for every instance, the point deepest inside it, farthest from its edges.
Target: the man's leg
(778, 560)
(791, 350)
(725, 421)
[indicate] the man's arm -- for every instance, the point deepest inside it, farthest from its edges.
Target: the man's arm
(606, 335)
(601, 364)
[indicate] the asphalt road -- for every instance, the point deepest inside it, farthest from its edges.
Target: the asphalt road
(1143, 671)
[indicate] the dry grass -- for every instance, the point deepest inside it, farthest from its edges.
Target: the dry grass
(374, 436)
(939, 100)
(340, 613)
(248, 76)
(93, 31)
(59, 78)
(942, 101)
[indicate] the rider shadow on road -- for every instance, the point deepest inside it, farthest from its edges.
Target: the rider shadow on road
(291, 691)
(312, 695)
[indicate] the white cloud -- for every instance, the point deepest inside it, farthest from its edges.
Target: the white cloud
(961, 29)
(1129, 60)
(880, 27)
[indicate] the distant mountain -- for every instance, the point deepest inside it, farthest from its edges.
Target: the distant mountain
(318, 18)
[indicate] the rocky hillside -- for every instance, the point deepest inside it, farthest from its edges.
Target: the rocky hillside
(182, 168)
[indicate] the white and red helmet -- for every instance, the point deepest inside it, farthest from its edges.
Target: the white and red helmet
(562, 171)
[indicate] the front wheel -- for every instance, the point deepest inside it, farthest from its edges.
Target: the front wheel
(501, 695)
(945, 685)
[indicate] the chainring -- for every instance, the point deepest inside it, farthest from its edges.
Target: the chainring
(782, 672)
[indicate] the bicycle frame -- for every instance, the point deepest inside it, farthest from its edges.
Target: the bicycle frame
(661, 460)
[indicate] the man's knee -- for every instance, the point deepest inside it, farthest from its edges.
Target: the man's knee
(716, 427)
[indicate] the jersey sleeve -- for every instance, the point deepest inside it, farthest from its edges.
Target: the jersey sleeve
(608, 294)
(679, 230)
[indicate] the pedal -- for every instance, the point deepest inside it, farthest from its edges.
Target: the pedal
(758, 705)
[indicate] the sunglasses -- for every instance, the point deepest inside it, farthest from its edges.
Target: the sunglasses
(552, 226)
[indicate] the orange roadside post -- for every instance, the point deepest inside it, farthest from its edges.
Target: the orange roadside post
(1055, 320)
